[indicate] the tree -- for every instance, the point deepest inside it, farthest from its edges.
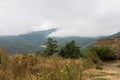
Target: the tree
(70, 50)
(51, 46)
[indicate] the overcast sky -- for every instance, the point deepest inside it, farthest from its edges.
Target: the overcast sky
(84, 18)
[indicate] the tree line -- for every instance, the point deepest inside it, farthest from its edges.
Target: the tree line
(69, 50)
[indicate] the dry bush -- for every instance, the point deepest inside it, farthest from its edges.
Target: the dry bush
(91, 59)
(3, 56)
(32, 67)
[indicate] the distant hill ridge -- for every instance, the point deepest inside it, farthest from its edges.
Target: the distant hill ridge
(116, 35)
(26, 42)
(32, 41)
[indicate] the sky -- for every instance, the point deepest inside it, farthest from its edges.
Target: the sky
(84, 18)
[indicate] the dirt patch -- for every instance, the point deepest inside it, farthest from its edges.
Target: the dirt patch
(110, 72)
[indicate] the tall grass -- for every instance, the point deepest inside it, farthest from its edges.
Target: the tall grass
(3, 56)
(32, 67)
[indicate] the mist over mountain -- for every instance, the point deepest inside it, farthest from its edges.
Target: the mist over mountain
(31, 42)
(116, 35)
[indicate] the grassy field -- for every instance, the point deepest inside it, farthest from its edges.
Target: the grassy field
(33, 67)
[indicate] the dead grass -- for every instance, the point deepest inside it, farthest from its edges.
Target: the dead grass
(32, 67)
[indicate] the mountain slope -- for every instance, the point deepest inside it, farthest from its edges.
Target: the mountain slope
(115, 35)
(31, 42)
(25, 43)
(81, 41)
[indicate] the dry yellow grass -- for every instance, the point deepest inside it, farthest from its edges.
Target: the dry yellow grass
(32, 67)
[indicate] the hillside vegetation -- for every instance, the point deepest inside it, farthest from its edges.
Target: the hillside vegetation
(32, 67)
(35, 67)
(31, 42)
(57, 62)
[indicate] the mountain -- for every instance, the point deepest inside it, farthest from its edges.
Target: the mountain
(110, 36)
(91, 44)
(81, 41)
(31, 42)
(115, 35)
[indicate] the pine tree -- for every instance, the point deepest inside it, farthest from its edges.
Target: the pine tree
(51, 46)
(70, 50)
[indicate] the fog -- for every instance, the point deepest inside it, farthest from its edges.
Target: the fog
(84, 18)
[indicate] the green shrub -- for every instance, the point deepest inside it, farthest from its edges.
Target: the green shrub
(118, 66)
(92, 60)
(38, 53)
(105, 53)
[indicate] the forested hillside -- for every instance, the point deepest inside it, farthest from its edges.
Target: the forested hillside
(31, 42)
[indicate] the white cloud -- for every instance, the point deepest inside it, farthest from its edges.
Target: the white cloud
(43, 26)
(72, 17)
